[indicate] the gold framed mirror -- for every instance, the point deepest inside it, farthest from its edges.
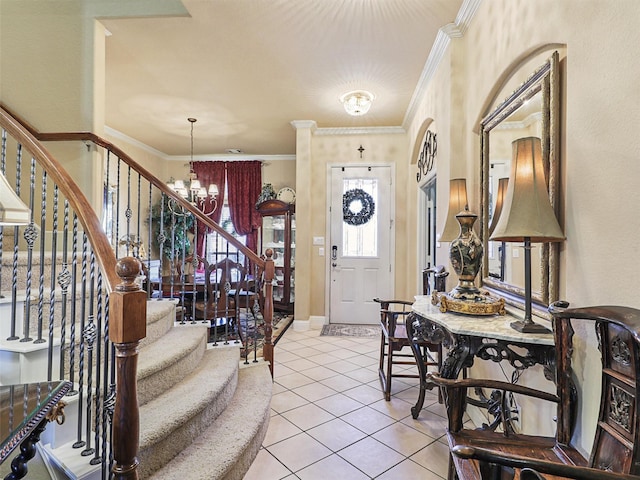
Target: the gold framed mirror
(531, 110)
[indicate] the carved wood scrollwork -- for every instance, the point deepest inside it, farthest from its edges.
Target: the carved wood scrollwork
(620, 351)
(498, 351)
(620, 407)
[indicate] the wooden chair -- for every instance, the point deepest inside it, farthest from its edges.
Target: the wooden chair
(224, 282)
(183, 286)
(394, 339)
(485, 454)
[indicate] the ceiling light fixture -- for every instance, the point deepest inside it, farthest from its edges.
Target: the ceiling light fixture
(195, 192)
(358, 102)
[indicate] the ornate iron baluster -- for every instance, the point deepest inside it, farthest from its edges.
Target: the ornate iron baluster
(117, 229)
(98, 417)
(83, 292)
(64, 279)
(30, 234)
(74, 283)
(14, 271)
(52, 297)
(161, 241)
(149, 237)
(89, 337)
(128, 213)
(136, 252)
(43, 218)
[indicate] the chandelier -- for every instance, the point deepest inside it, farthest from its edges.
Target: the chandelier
(358, 102)
(194, 191)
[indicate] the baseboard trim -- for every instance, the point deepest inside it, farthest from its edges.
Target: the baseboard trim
(300, 325)
(316, 322)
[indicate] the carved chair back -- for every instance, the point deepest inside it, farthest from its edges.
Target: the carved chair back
(614, 453)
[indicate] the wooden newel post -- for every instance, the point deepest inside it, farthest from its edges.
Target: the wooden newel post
(269, 274)
(127, 326)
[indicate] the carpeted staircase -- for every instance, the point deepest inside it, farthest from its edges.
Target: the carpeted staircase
(203, 414)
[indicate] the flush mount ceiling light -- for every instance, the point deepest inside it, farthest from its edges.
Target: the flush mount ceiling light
(357, 102)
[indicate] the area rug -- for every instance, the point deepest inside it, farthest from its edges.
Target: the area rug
(343, 330)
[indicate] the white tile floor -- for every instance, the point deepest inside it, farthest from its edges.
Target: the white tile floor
(330, 420)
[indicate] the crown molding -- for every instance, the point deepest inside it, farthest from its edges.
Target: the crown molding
(229, 157)
(443, 39)
(361, 131)
(301, 124)
(132, 141)
(186, 158)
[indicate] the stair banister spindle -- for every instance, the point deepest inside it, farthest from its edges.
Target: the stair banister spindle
(29, 235)
(43, 226)
(127, 327)
(14, 272)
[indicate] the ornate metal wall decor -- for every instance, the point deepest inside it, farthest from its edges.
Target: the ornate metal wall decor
(364, 214)
(427, 156)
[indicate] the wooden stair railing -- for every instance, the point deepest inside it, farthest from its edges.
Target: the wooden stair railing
(124, 319)
(262, 266)
(127, 302)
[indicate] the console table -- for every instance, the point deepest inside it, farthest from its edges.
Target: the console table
(467, 337)
(24, 412)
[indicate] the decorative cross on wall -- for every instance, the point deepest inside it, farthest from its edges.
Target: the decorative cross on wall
(361, 149)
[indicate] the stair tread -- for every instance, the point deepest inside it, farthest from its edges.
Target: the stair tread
(167, 350)
(230, 435)
(216, 373)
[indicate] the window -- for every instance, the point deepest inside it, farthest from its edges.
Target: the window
(217, 246)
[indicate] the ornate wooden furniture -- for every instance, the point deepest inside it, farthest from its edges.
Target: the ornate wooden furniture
(394, 339)
(468, 337)
(486, 454)
(223, 281)
(278, 233)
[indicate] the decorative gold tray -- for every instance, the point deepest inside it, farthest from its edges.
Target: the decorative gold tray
(480, 304)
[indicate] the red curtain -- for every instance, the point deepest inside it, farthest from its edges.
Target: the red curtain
(208, 173)
(245, 184)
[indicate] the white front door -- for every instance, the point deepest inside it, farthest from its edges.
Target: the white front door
(361, 242)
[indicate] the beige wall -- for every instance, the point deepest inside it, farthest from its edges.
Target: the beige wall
(390, 149)
(599, 150)
(279, 173)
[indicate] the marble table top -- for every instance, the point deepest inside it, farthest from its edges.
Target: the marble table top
(490, 326)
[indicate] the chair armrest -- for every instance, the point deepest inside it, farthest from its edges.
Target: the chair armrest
(541, 466)
(385, 303)
(492, 384)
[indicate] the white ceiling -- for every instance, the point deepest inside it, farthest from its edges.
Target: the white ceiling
(247, 68)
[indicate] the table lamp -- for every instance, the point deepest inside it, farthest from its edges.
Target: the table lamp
(527, 215)
(457, 204)
(465, 255)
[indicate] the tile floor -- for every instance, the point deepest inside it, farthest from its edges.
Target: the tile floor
(330, 420)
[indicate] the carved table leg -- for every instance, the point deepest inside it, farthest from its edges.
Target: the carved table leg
(420, 361)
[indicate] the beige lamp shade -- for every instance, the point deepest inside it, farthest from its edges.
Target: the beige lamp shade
(13, 211)
(503, 183)
(457, 204)
(527, 212)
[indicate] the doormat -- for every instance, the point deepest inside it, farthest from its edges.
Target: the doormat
(342, 330)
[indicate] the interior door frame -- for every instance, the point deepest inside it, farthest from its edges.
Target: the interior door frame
(423, 234)
(327, 243)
